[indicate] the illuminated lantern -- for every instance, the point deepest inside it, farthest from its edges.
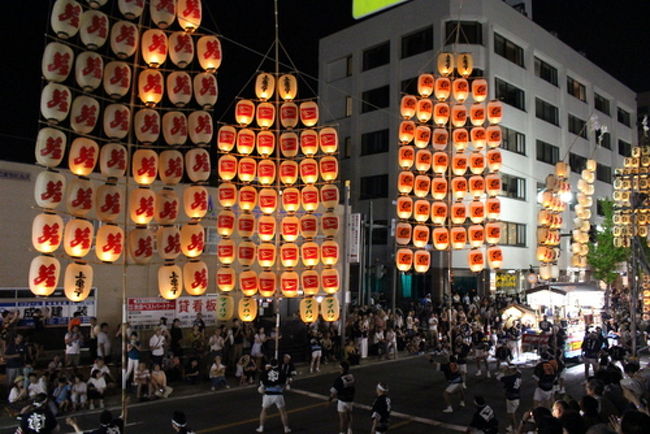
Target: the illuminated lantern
(130, 9)
(83, 156)
(289, 115)
(308, 308)
(493, 184)
(309, 198)
(422, 185)
(308, 113)
(495, 257)
(425, 85)
(44, 275)
(310, 282)
(424, 110)
(477, 211)
(225, 307)
(403, 233)
(205, 89)
(441, 113)
(458, 115)
(50, 147)
(227, 194)
(81, 197)
(479, 89)
(189, 15)
(440, 139)
(442, 88)
(200, 127)
(245, 141)
(309, 142)
(438, 212)
(493, 134)
(195, 201)
(142, 202)
(478, 136)
(460, 139)
(422, 136)
(330, 280)
(440, 239)
(476, 186)
(464, 64)
(247, 198)
(47, 232)
(329, 309)
(181, 49)
(57, 62)
(247, 169)
(124, 39)
(195, 277)
(404, 259)
(227, 167)
(170, 281)
(171, 167)
(460, 89)
(197, 164)
(459, 187)
(404, 207)
(445, 64)
(494, 160)
(458, 238)
(267, 282)
(440, 162)
(226, 251)
(265, 143)
(162, 12)
(406, 132)
(117, 121)
(421, 261)
(266, 228)
(329, 252)
(561, 169)
(174, 128)
(406, 157)
(287, 87)
(226, 138)
(422, 209)
(225, 223)
(248, 283)
(265, 114)
(144, 166)
(289, 282)
(264, 86)
(268, 200)
(492, 233)
(55, 102)
(226, 279)
(476, 235)
(65, 18)
(459, 164)
(108, 202)
(289, 255)
(209, 53)
(93, 30)
(329, 168)
(290, 228)
(117, 79)
(169, 242)
(309, 170)
(439, 188)
(78, 237)
(291, 200)
(476, 163)
(494, 112)
(246, 225)
(477, 114)
(154, 47)
(192, 240)
(308, 226)
(289, 144)
(458, 213)
(109, 243)
(476, 260)
(310, 254)
(329, 195)
(266, 255)
(244, 112)
(420, 236)
(289, 171)
(146, 125)
(408, 104)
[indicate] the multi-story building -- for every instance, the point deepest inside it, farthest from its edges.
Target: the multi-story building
(550, 92)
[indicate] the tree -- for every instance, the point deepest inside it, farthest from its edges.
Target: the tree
(603, 256)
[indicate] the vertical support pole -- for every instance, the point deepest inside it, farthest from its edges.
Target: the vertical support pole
(345, 294)
(276, 299)
(369, 265)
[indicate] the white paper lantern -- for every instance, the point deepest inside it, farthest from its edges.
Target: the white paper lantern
(181, 49)
(170, 281)
(226, 138)
(192, 240)
(144, 166)
(78, 237)
(179, 88)
(117, 120)
(89, 69)
(80, 197)
(84, 114)
(109, 243)
(151, 86)
(146, 125)
(171, 167)
(50, 147)
(289, 115)
(197, 164)
(154, 47)
(309, 113)
(162, 12)
(329, 140)
(140, 245)
(108, 202)
(94, 29)
(44, 275)
(205, 89)
(77, 281)
(195, 277)
(66, 18)
(289, 144)
(189, 14)
(47, 232)
(174, 128)
(57, 62)
(208, 52)
(142, 205)
(265, 143)
(167, 206)
(124, 39)
(55, 102)
(200, 127)
(131, 9)
(117, 79)
(49, 189)
(264, 86)
(195, 201)
(287, 87)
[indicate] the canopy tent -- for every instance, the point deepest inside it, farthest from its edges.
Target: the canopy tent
(566, 294)
(516, 311)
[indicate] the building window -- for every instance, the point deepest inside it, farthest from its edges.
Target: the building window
(624, 148)
(374, 187)
(601, 103)
(513, 234)
(513, 187)
(623, 116)
(509, 50)
(510, 94)
(546, 112)
(374, 99)
(577, 162)
(513, 141)
(605, 139)
(417, 42)
(547, 153)
(469, 32)
(380, 234)
(348, 106)
(577, 126)
(348, 66)
(376, 56)
(577, 89)
(599, 208)
(545, 71)
(409, 86)
(375, 142)
(347, 147)
(604, 173)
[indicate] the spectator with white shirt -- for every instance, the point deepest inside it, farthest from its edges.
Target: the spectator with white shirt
(96, 388)
(36, 385)
(103, 342)
(157, 346)
(79, 395)
(72, 347)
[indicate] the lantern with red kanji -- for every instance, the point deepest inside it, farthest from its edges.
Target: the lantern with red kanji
(309, 198)
(404, 259)
(476, 185)
(422, 185)
(117, 121)
(47, 232)
(403, 233)
(478, 136)
(83, 156)
(308, 226)
(407, 106)
(476, 260)
(424, 110)
(244, 112)
(205, 89)
(425, 85)
(404, 207)
(289, 255)
(329, 140)
(162, 12)
(421, 261)
(477, 211)
(116, 79)
(330, 280)
(181, 49)
(420, 236)
(460, 89)
(50, 147)
(289, 115)
(290, 228)
(227, 194)
(108, 202)
(439, 187)
(266, 228)
(44, 275)
(78, 237)
(226, 279)
(267, 283)
(146, 125)
(189, 14)
(247, 198)
(423, 159)
(246, 225)
(192, 240)
(493, 184)
(492, 233)
(422, 136)
(459, 187)
(493, 208)
(291, 199)
(308, 113)
(154, 47)
(81, 197)
(65, 18)
(406, 157)
(458, 115)
(440, 139)
(495, 257)
(268, 200)
(142, 204)
(440, 238)
(266, 255)
(479, 89)
(289, 283)
(248, 283)
(309, 170)
(226, 251)
(265, 143)
(174, 127)
(440, 162)
(168, 240)
(421, 211)
(442, 88)
(289, 144)
(441, 113)
(477, 114)
(83, 114)
(208, 52)
(109, 243)
(494, 160)
(476, 235)
(93, 30)
(170, 281)
(458, 238)
(225, 223)
(200, 127)
(144, 166)
(329, 252)
(112, 160)
(195, 201)
(55, 102)
(406, 131)
(197, 164)
(167, 206)
(458, 213)
(151, 86)
(310, 254)
(195, 277)
(459, 164)
(477, 163)
(438, 212)
(226, 138)
(493, 134)
(460, 139)
(309, 142)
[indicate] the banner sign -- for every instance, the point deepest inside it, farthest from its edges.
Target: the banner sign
(55, 310)
(354, 237)
(145, 312)
(363, 8)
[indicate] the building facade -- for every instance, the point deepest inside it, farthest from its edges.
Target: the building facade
(549, 90)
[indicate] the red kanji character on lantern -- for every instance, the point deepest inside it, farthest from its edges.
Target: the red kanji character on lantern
(173, 244)
(53, 191)
(182, 84)
(118, 159)
(196, 242)
(84, 198)
(71, 13)
(180, 126)
(114, 243)
(93, 66)
(59, 100)
(127, 34)
(203, 124)
(158, 42)
(183, 43)
(81, 237)
(99, 25)
(111, 203)
(46, 273)
(175, 167)
(183, 306)
(148, 167)
(212, 50)
(121, 76)
(146, 207)
(144, 247)
(192, 9)
(154, 82)
(60, 63)
(50, 234)
(53, 147)
(167, 5)
(150, 123)
(88, 115)
(200, 201)
(86, 157)
(169, 210)
(201, 163)
(207, 87)
(120, 120)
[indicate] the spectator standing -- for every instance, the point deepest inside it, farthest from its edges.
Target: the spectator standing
(316, 353)
(591, 346)
(72, 347)
(176, 338)
(104, 342)
(216, 343)
(133, 358)
(92, 337)
(157, 346)
(237, 341)
(14, 356)
(288, 369)
(256, 350)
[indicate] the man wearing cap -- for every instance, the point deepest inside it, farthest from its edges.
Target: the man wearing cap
(380, 410)
(107, 424)
(343, 390)
(179, 423)
(272, 386)
(38, 418)
(510, 376)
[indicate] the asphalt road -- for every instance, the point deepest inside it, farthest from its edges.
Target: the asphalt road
(415, 390)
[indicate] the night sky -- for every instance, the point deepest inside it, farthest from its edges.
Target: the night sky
(614, 35)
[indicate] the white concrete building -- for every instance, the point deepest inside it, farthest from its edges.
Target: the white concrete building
(549, 91)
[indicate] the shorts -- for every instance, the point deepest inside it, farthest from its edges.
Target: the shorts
(589, 361)
(343, 406)
(480, 354)
(317, 353)
(271, 400)
(462, 368)
(453, 387)
(542, 395)
(512, 405)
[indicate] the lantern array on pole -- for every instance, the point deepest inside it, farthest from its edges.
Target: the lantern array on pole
(581, 224)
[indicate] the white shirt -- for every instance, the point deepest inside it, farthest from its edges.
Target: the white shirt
(216, 343)
(104, 369)
(14, 394)
(35, 388)
(156, 344)
(433, 324)
(98, 383)
(72, 347)
(102, 338)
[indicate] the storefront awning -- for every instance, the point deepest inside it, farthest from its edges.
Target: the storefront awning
(565, 288)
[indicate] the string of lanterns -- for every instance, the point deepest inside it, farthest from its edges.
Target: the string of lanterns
(632, 177)
(445, 194)
(581, 224)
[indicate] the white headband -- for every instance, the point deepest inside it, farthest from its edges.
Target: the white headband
(381, 388)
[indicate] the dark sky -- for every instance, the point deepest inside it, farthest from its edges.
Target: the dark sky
(614, 35)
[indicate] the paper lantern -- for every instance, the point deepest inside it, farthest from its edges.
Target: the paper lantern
(406, 157)
(47, 232)
(309, 170)
(404, 259)
(460, 139)
(50, 147)
(55, 102)
(408, 103)
(265, 115)
(331, 281)
(151, 86)
(440, 239)
(77, 281)
(308, 309)
(438, 212)
(492, 233)
(493, 208)
(197, 164)
(266, 255)
(168, 242)
(478, 137)
(130, 9)
(479, 89)
(439, 188)
(421, 210)
(440, 162)
(83, 156)
(192, 240)
(423, 160)
(310, 282)
(246, 225)
(459, 187)
(88, 70)
(458, 213)
(162, 12)
(171, 167)
(78, 237)
(404, 207)
(225, 278)
(49, 188)
(308, 113)
(44, 275)
(406, 132)
(310, 254)
(290, 228)
(109, 243)
(476, 260)
(65, 18)
(289, 171)
(226, 251)
(247, 198)
(464, 64)
(189, 14)
(108, 202)
(226, 138)
(209, 53)
(477, 114)
(425, 85)
(289, 115)
(421, 261)
(308, 226)
(291, 200)
(493, 184)
(268, 200)
(289, 255)
(493, 136)
(267, 283)
(289, 144)
(422, 136)
(225, 307)
(225, 223)
(179, 88)
(476, 235)
(195, 201)
(476, 185)
(81, 197)
(329, 195)
(195, 277)
(227, 167)
(93, 29)
(442, 88)
(142, 203)
(424, 110)
(200, 127)
(420, 236)
(422, 185)
(329, 309)
(170, 281)
(174, 128)
(403, 233)
(244, 112)
(477, 211)
(458, 238)
(146, 123)
(309, 142)
(117, 121)
(477, 163)
(264, 86)
(248, 283)
(266, 227)
(205, 89)
(154, 47)
(329, 252)
(445, 64)
(459, 164)
(494, 160)
(265, 143)
(181, 49)
(309, 198)
(328, 167)
(227, 194)
(144, 166)
(495, 257)
(441, 113)
(289, 282)
(460, 89)
(440, 139)
(287, 87)
(494, 112)
(117, 79)
(458, 115)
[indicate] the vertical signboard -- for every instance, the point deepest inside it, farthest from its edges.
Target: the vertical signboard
(354, 237)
